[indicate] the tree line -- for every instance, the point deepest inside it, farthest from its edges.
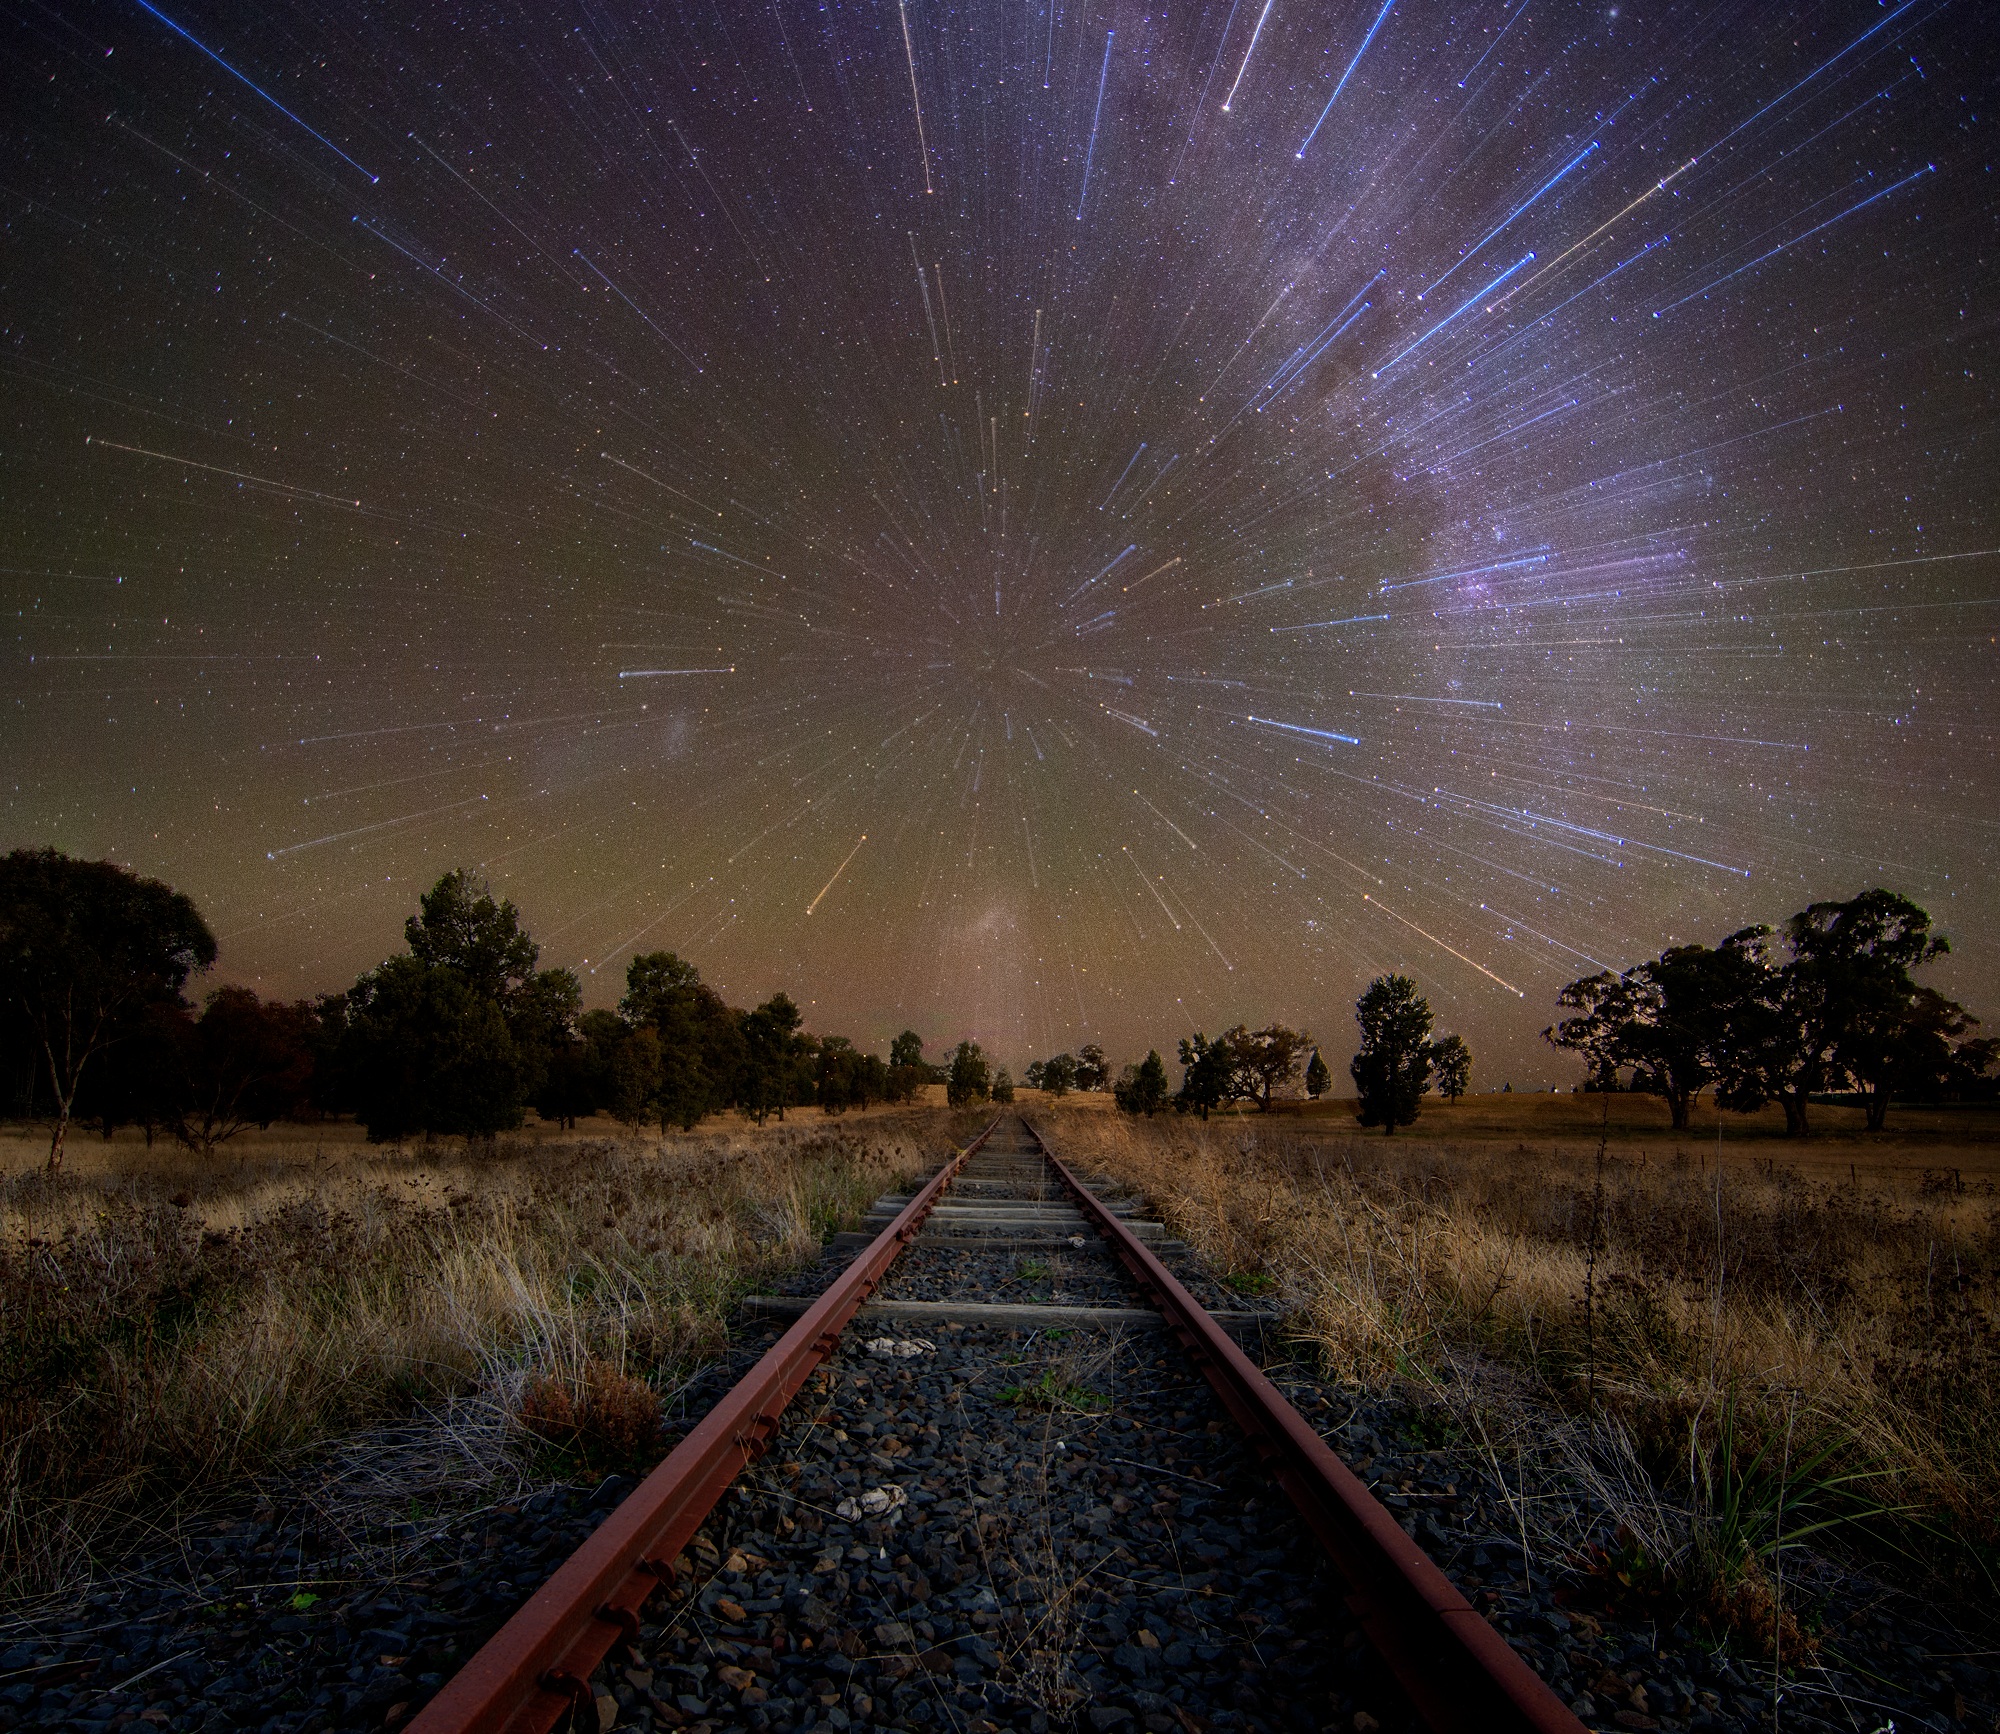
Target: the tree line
(1825, 1005)
(459, 1033)
(463, 1031)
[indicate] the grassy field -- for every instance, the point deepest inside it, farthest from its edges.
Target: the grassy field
(1733, 1338)
(170, 1325)
(1734, 1346)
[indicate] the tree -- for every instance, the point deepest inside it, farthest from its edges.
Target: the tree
(85, 948)
(772, 1051)
(1393, 1068)
(458, 926)
(1266, 1061)
(1092, 1072)
(1840, 1011)
(1207, 1070)
(637, 1067)
(1598, 1027)
(1318, 1077)
(1852, 961)
(1451, 1066)
(1058, 1076)
(1032, 1075)
(1143, 1088)
(1003, 1085)
(244, 1062)
(908, 1072)
(702, 1043)
(968, 1081)
(424, 1052)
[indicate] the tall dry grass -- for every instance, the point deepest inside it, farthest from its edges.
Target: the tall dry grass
(168, 1326)
(1663, 1318)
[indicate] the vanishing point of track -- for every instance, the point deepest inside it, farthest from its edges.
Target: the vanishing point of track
(1003, 1196)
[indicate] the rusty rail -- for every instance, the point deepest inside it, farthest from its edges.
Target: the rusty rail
(538, 1665)
(1459, 1672)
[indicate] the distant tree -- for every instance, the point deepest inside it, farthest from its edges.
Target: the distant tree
(969, 1080)
(773, 1052)
(541, 1017)
(848, 1078)
(1843, 1009)
(1853, 961)
(1267, 1060)
(1058, 1075)
(1092, 1071)
(424, 1052)
(1003, 1085)
(1032, 1076)
(656, 984)
(702, 1042)
(1393, 1068)
(244, 1062)
(1207, 1073)
(86, 948)
(1451, 1066)
(637, 1069)
(459, 926)
(1143, 1088)
(908, 1073)
(1318, 1078)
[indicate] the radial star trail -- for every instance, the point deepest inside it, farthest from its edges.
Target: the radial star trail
(836, 495)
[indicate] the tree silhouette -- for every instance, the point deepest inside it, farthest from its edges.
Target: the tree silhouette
(86, 948)
(1143, 1088)
(1393, 1068)
(1451, 1066)
(969, 1081)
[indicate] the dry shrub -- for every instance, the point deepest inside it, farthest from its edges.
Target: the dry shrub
(1729, 1311)
(605, 1419)
(168, 1327)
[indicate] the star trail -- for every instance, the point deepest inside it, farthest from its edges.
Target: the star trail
(1047, 523)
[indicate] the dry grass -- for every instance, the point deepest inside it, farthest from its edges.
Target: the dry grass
(168, 1325)
(1651, 1324)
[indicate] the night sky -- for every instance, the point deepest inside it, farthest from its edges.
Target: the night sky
(1046, 524)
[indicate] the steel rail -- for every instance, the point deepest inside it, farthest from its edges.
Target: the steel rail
(537, 1667)
(1460, 1673)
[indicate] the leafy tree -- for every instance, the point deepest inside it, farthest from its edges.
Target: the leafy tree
(657, 983)
(1318, 1077)
(848, 1078)
(1058, 1076)
(1032, 1076)
(907, 1071)
(1393, 1068)
(1092, 1071)
(1143, 1088)
(703, 1048)
(244, 1062)
(638, 1067)
(577, 1079)
(1853, 961)
(425, 1052)
(458, 926)
(1266, 1061)
(1843, 1009)
(1208, 1070)
(1598, 1027)
(969, 1080)
(772, 1051)
(1451, 1066)
(1003, 1085)
(86, 947)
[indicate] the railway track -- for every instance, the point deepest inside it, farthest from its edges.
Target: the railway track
(1004, 1470)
